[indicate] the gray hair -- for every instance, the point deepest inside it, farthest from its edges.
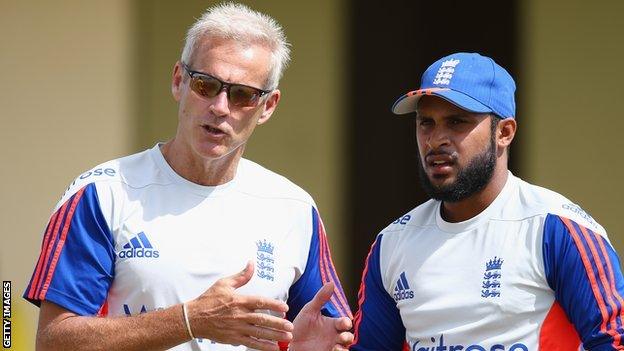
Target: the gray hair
(240, 23)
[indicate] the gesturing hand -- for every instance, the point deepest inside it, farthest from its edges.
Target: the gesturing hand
(315, 332)
(223, 316)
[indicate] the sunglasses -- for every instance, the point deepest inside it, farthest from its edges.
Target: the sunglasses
(238, 94)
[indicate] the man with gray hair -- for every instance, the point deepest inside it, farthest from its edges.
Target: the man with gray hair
(142, 252)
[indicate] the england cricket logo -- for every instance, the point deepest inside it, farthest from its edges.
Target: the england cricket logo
(491, 278)
(445, 73)
(264, 260)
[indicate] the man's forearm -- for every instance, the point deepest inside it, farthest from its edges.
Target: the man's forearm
(156, 330)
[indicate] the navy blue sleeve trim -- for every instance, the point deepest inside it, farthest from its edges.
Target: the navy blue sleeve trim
(378, 324)
(76, 266)
(584, 272)
(318, 271)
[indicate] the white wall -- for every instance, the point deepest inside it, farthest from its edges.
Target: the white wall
(64, 107)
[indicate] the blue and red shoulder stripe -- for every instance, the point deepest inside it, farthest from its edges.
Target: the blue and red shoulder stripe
(76, 264)
(584, 272)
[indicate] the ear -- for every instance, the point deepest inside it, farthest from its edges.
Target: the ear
(505, 131)
(177, 79)
(269, 106)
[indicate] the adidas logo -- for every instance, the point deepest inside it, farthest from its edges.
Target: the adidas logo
(139, 246)
(402, 289)
(129, 314)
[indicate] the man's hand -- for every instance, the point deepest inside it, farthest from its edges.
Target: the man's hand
(221, 315)
(315, 332)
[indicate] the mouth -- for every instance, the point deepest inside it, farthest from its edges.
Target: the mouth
(440, 164)
(214, 131)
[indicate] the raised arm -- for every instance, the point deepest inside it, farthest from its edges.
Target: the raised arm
(315, 332)
(219, 314)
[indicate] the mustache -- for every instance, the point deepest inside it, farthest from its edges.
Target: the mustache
(451, 154)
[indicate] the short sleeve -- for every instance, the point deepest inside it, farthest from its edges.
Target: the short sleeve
(318, 271)
(75, 268)
(584, 272)
(378, 324)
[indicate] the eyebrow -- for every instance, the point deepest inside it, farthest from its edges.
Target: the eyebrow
(460, 115)
(453, 115)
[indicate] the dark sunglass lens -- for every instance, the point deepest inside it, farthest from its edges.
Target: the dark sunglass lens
(243, 96)
(206, 86)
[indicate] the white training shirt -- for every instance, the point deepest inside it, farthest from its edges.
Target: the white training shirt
(532, 272)
(131, 236)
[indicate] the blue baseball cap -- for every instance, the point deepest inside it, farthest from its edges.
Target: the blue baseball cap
(470, 81)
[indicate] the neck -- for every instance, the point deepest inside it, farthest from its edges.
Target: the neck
(473, 205)
(192, 167)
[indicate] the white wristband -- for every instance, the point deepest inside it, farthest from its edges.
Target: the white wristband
(188, 325)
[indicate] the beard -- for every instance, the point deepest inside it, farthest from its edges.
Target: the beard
(470, 179)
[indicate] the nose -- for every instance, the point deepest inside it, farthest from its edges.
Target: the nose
(437, 138)
(220, 105)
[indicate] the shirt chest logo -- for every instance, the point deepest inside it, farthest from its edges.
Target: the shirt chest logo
(265, 261)
(138, 246)
(492, 278)
(402, 289)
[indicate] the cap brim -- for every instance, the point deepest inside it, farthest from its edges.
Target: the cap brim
(408, 102)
